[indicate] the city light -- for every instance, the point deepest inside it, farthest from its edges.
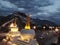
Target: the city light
(13, 28)
(50, 27)
(56, 30)
(34, 27)
(44, 27)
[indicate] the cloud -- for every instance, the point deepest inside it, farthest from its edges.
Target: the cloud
(6, 4)
(53, 8)
(8, 7)
(51, 12)
(31, 6)
(21, 8)
(44, 9)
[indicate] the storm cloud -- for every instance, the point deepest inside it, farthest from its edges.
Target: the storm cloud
(43, 9)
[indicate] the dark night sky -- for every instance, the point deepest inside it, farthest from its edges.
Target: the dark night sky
(43, 9)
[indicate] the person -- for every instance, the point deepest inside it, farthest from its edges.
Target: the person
(58, 40)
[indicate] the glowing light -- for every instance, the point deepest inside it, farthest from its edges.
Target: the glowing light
(4, 40)
(24, 37)
(12, 25)
(13, 44)
(44, 27)
(27, 27)
(34, 27)
(50, 27)
(13, 28)
(9, 43)
(56, 29)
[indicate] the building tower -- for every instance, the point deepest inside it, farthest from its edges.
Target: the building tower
(27, 26)
(27, 32)
(13, 35)
(13, 26)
